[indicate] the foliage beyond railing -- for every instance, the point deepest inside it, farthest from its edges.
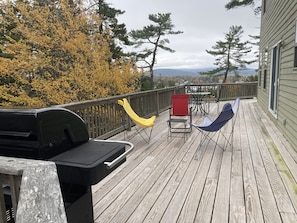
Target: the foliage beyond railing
(105, 118)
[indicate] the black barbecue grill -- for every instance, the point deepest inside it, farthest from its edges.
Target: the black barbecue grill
(61, 136)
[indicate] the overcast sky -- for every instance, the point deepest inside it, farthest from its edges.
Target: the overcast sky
(203, 22)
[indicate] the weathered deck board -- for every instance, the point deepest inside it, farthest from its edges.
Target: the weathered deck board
(221, 207)
(268, 203)
(253, 181)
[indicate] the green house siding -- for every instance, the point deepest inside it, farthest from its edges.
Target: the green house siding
(278, 26)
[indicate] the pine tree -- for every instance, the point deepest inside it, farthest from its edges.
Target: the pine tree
(151, 35)
(229, 54)
(110, 26)
(243, 3)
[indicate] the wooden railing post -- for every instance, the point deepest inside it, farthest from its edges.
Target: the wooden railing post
(157, 103)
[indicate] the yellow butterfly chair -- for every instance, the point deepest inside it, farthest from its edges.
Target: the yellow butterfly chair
(141, 123)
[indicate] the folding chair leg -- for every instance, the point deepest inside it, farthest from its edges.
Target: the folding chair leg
(169, 132)
(148, 139)
(139, 131)
(173, 129)
(225, 143)
(229, 140)
(206, 136)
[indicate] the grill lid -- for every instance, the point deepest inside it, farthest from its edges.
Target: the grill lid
(40, 133)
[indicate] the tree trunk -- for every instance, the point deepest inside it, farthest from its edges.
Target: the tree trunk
(152, 77)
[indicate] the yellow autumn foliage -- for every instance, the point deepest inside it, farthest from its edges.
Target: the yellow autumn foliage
(57, 57)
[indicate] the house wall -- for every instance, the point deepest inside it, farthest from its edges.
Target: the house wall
(278, 25)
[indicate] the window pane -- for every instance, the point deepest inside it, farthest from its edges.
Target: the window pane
(264, 79)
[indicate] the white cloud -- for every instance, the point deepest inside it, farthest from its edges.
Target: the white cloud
(203, 23)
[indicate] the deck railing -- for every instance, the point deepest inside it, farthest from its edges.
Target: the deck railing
(104, 117)
(223, 92)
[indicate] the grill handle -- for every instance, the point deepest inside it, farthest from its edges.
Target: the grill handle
(113, 163)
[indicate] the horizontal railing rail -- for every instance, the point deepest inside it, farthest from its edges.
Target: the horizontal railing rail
(224, 92)
(105, 118)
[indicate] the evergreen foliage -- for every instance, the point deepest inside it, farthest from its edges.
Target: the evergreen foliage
(145, 83)
(232, 4)
(150, 38)
(111, 27)
(229, 53)
(238, 3)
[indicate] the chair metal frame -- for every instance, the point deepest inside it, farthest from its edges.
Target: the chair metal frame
(141, 124)
(209, 127)
(180, 112)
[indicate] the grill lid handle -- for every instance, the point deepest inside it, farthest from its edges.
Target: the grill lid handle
(113, 163)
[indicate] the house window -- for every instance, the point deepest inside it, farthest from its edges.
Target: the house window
(264, 79)
(295, 48)
(295, 56)
(260, 60)
(264, 6)
(274, 78)
(260, 78)
(296, 31)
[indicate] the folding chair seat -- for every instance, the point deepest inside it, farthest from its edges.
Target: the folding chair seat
(180, 115)
(142, 124)
(208, 127)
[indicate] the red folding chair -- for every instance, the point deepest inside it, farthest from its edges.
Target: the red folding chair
(180, 115)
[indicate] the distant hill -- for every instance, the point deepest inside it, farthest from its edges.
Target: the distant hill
(194, 72)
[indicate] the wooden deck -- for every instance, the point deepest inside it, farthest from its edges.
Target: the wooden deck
(255, 181)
